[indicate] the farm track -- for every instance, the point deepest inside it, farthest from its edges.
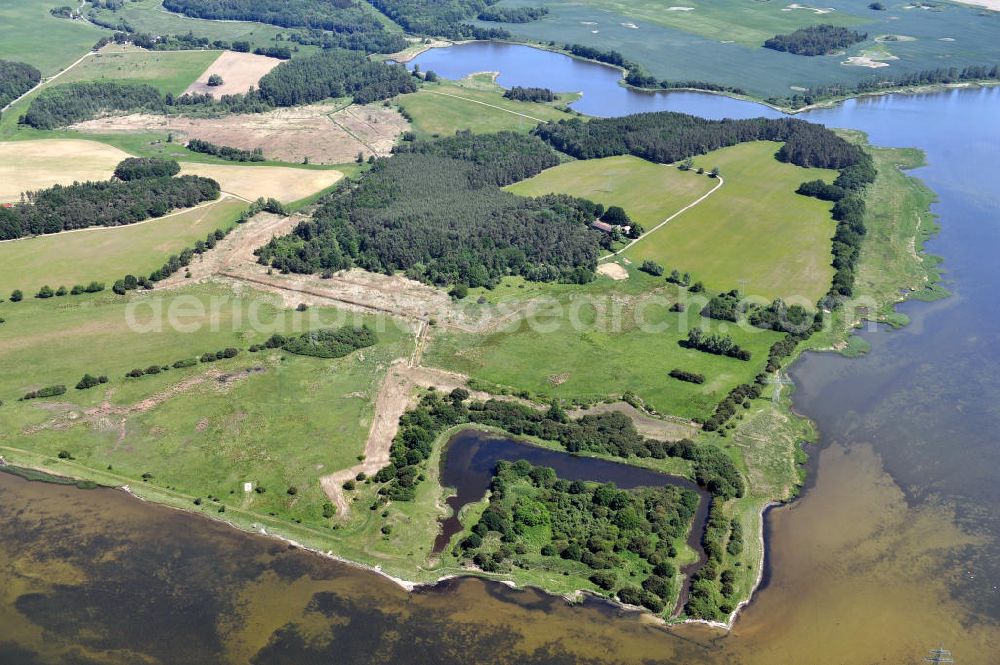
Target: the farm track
(667, 220)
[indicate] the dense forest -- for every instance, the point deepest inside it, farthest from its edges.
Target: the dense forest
(667, 137)
(437, 212)
(513, 14)
(381, 41)
(444, 18)
(331, 73)
(109, 203)
(533, 515)
(815, 40)
(16, 78)
(137, 168)
(333, 15)
(334, 73)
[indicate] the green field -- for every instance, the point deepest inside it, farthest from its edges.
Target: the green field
(66, 259)
(274, 418)
(445, 108)
(648, 192)
(721, 41)
(28, 33)
(167, 71)
(604, 356)
(754, 233)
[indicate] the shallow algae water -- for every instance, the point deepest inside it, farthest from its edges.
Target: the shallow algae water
(892, 550)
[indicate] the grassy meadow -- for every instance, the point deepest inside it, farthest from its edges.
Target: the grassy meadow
(576, 350)
(755, 232)
(107, 254)
(167, 71)
(272, 418)
(28, 33)
(648, 192)
(444, 108)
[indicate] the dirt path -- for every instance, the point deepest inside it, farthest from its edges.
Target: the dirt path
(668, 219)
(664, 429)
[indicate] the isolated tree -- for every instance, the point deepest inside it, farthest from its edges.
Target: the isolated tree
(215, 80)
(16, 295)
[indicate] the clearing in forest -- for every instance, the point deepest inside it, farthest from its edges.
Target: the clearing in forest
(285, 183)
(32, 165)
(106, 254)
(239, 72)
(648, 192)
(755, 233)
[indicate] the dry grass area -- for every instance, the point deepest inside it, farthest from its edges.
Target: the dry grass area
(31, 165)
(284, 183)
(322, 133)
(239, 72)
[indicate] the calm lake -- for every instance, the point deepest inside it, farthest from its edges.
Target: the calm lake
(892, 550)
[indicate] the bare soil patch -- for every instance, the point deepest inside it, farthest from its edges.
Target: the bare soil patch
(615, 271)
(284, 183)
(239, 72)
(27, 166)
(322, 133)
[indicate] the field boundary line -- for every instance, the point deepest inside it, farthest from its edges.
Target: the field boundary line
(668, 219)
(492, 106)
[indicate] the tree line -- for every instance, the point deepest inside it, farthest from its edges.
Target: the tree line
(940, 75)
(636, 77)
(108, 203)
(436, 211)
(815, 40)
(513, 14)
(226, 152)
(444, 18)
(346, 16)
(137, 168)
(16, 78)
(521, 94)
(595, 524)
(667, 137)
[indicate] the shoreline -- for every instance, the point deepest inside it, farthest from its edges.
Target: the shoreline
(787, 110)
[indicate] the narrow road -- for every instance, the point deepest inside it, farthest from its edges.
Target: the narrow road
(668, 219)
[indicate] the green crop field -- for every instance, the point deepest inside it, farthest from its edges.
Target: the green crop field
(755, 232)
(569, 350)
(108, 254)
(272, 418)
(168, 71)
(28, 33)
(648, 192)
(722, 41)
(446, 108)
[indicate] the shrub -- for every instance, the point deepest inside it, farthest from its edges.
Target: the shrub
(651, 267)
(215, 80)
(16, 295)
(49, 391)
(89, 381)
(690, 377)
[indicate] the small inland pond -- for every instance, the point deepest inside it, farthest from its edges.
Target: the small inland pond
(470, 458)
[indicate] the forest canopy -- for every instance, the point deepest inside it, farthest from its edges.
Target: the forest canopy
(107, 203)
(437, 212)
(333, 15)
(815, 40)
(667, 137)
(16, 78)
